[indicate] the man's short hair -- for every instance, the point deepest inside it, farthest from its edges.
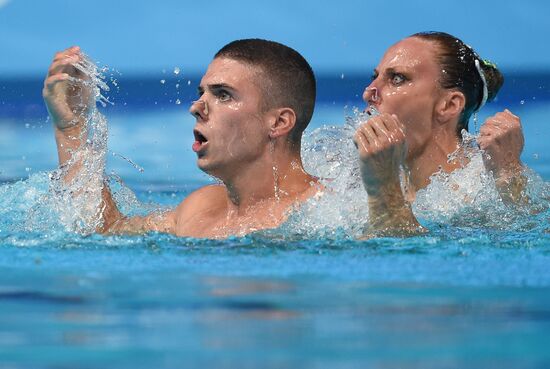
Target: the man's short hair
(290, 79)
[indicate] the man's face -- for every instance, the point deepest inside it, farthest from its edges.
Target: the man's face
(406, 84)
(231, 130)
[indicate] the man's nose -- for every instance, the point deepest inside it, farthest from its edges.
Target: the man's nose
(199, 109)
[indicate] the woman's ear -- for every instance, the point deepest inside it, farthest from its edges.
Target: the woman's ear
(284, 120)
(451, 106)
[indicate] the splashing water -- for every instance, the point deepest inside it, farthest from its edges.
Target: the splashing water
(341, 210)
(467, 197)
(78, 201)
(49, 202)
(95, 80)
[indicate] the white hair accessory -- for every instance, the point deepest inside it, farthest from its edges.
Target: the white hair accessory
(485, 90)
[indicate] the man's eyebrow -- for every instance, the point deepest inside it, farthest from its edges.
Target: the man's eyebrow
(214, 87)
(217, 86)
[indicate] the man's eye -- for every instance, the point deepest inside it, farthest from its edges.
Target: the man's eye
(397, 79)
(374, 76)
(224, 96)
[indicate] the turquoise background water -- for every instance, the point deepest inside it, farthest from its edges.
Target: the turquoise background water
(457, 297)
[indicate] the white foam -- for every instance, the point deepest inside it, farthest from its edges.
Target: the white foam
(467, 197)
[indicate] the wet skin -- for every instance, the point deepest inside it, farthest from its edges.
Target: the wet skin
(417, 130)
(237, 140)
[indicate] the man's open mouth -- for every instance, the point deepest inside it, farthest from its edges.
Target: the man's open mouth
(200, 140)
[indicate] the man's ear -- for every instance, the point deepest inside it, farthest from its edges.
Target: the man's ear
(451, 106)
(284, 120)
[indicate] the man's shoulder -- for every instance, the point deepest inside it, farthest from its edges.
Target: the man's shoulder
(205, 199)
(211, 191)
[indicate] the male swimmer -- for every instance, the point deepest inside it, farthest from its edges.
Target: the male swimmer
(255, 100)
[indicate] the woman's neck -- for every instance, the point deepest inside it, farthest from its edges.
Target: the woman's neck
(434, 158)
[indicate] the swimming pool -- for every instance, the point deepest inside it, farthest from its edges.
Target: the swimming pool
(460, 296)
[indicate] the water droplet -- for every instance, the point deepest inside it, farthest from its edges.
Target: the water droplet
(178, 101)
(176, 71)
(162, 81)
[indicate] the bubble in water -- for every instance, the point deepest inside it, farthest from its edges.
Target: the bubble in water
(178, 102)
(189, 83)
(522, 102)
(177, 71)
(162, 81)
(342, 76)
(536, 156)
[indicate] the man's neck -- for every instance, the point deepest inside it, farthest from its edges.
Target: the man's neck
(277, 180)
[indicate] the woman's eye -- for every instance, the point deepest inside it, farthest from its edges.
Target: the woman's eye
(397, 79)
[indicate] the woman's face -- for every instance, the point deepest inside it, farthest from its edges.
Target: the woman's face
(406, 83)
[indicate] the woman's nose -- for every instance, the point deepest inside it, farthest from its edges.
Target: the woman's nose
(371, 94)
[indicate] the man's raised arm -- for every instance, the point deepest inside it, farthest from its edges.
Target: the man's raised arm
(70, 99)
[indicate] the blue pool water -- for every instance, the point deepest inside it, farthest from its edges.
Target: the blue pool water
(460, 296)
